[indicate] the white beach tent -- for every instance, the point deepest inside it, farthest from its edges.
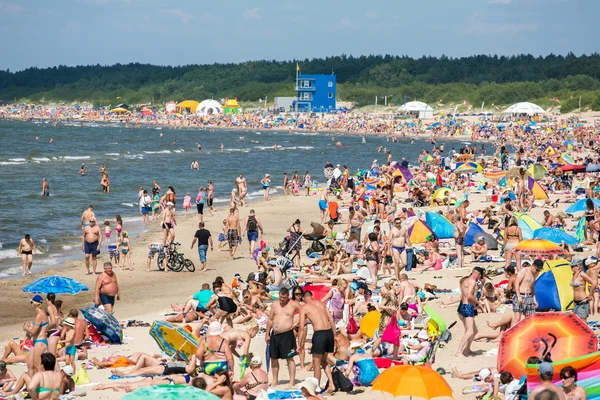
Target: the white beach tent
(524, 108)
(209, 107)
(416, 107)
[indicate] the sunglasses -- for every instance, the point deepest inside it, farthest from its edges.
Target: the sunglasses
(298, 294)
(566, 377)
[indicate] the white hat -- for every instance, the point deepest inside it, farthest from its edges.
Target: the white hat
(256, 360)
(311, 385)
(480, 238)
(484, 373)
(215, 329)
(68, 370)
(267, 175)
(591, 260)
(354, 345)
(170, 203)
(423, 335)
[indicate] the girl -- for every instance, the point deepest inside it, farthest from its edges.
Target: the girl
(126, 250)
(187, 203)
(155, 205)
(107, 232)
(222, 386)
(223, 236)
(69, 342)
(119, 227)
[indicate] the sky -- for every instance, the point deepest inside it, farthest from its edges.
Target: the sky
(79, 32)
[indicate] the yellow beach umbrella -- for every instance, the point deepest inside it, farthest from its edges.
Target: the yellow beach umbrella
(119, 110)
(370, 323)
(415, 381)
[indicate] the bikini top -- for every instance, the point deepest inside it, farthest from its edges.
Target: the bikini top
(208, 351)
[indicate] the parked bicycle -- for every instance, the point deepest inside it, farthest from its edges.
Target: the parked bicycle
(174, 260)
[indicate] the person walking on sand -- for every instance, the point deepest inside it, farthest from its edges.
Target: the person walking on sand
(90, 244)
(27, 250)
(210, 197)
(145, 206)
(524, 303)
(323, 341)
(232, 229)
(398, 241)
(107, 288)
(280, 335)
(266, 184)
(203, 237)
(242, 188)
(467, 311)
(251, 226)
(45, 187)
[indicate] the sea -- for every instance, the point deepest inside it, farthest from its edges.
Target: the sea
(134, 157)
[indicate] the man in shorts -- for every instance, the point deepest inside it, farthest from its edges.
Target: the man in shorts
(524, 303)
(90, 244)
(153, 248)
(232, 229)
(251, 226)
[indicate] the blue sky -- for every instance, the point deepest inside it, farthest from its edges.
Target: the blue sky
(74, 32)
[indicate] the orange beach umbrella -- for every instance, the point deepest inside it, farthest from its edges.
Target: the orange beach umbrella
(414, 381)
(538, 247)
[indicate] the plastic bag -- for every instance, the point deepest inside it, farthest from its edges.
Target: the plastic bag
(81, 377)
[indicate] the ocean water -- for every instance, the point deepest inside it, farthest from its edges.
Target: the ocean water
(135, 157)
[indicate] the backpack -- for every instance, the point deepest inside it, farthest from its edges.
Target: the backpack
(252, 225)
(340, 381)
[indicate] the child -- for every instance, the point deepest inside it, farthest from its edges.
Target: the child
(223, 236)
(69, 342)
(119, 226)
(187, 203)
(126, 250)
(107, 232)
(296, 187)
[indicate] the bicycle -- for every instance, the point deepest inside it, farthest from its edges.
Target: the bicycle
(175, 260)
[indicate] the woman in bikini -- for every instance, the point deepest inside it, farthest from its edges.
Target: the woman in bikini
(581, 298)
(372, 251)
(55, 326)
(126, 250)
(512, 235)
(254, 381)
(27, 250)
(214, 352)
(222, 386)
(38, 329)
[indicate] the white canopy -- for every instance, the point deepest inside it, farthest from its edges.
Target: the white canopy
(209, 107)
(524, 108)
(417, 107)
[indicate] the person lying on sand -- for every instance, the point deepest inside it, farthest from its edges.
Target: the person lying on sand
(199, 382)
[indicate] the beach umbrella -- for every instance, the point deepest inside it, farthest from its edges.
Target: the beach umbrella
(370, 323)
(402, 172)
(566, 159)
(538, 247)
(410, 380)
(146, 112)
(494, 174)
(592, 168)
(554, 235)
(588, 371)
(538, 191)
(553, 291)
(427, 158)
(581, 205)
(525, 339)
(105, 323)
(572, 168)
(57, 285)
(172, 339)
(463, 157)
(517, 172)
(119, 110)
(537, 171)
(318, 291)
(169, 392)
(469, 167)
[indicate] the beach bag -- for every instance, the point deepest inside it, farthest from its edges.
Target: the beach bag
(352, 326)
(340, 381)
(392, 332)
(81, 377)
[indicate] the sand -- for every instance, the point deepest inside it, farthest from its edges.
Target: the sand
(146, 295)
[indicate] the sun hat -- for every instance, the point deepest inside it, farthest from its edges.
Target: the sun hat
(69, 322)
(256, 360)
(484, 373)
(591, 260)
(215, 329)
(576, 262)
(68, 370)
(423, 335)
(311, 385)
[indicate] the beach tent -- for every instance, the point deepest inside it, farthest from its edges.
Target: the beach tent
(440, 194)
(524, 108)
(440, 225)
(474, 232)
(418, 232)
(527, 224)
(538, 191)
(419, 108)
(402, 174)
(209, 107)
(552, 286)
(231, 106)
(188, 106)
(555, 235)
(588, 371)
(170, 107)
(537, 171)
(581, 205)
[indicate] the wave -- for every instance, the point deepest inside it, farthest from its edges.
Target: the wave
(306, 147)
(9, 272)
(112, 154)
(12, 253)
(12, 162)
(237, 150)
(158, 152)
(44, 159)
(66, 247)
(129, 204)
(17, 159)
(76, 157)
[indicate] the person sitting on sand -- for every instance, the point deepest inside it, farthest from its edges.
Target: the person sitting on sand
(7, 378)
(20, 350)
(367, 370)
(222, 386)
(415, 352)
(253, 381)
(479, 250)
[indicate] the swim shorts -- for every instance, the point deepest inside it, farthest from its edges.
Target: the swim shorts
(91, 248)
(282, 345)
(155, 248)
(226, 304)
(467, 310)
(582, 309)
(252, 236)
(322, 205)
(232, 237)
(528, 306)
(323, 342)
(106, 299)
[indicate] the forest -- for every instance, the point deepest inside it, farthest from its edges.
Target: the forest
(572, 80)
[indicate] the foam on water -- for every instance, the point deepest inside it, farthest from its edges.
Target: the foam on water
(129, 204)
(76, 157)
(66, 247)
(17, 159)
(11, 253)
(158, 152)
(112, 154)
(44, 159)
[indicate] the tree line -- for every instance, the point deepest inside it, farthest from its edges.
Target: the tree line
(436, 80)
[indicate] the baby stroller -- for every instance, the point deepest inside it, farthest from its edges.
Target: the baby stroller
(315, 237)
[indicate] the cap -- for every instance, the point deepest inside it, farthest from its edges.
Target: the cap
(538, 264)
(267, 175)
(69, 322)
(311, 385)
(37, 299)
(479, 238)
(484, 373)
(591, 260)
(215, 329)
(423, 334)
(68, 370)
(546, 368)
(576, 262)
(2, 365)
(256, 360)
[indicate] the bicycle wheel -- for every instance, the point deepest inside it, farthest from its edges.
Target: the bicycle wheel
(189, 265)
(160, 262)
(177, 262)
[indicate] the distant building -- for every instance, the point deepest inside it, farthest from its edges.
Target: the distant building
(316, 93)
(286, 103)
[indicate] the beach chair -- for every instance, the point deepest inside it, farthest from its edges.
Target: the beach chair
(429, 358)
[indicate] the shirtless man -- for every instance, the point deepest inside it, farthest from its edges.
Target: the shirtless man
(242, 188)
(280, 336)
(407, 290)
(45, 187)
(238, 338)
(107, 288)
(524, 303)
(232, 230)
(86, 216)
(460, 230)
(90, 243)
(27, 250)
(398, 240)
(549, 220)
(545, 373)
(211, 197)
(285, 183)
(323, 342)
(467, 311)
(168, 224)
(169, 197)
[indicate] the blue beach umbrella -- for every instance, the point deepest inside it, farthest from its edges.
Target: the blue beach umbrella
(105, 323)
(554, 235)
(57, 285)
(580, 206)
